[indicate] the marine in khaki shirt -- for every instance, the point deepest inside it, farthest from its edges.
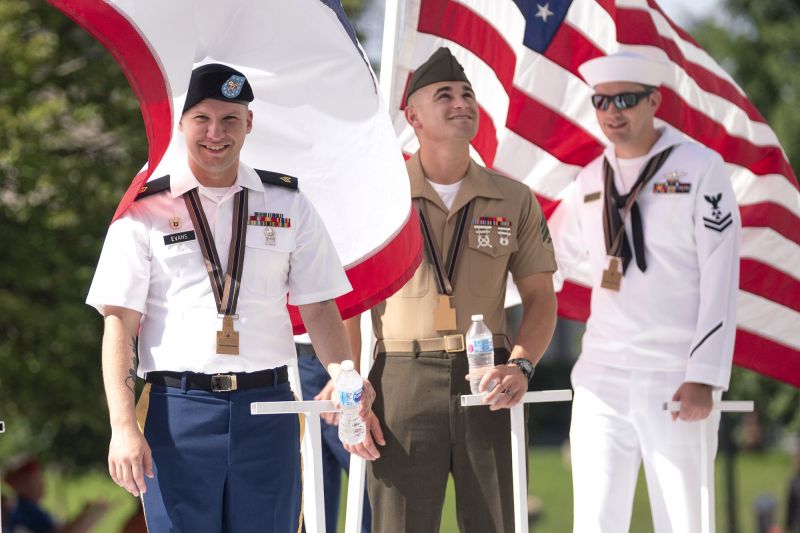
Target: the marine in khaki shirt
(420, 366)
(490, 252)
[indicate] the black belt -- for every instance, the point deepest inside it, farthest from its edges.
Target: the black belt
(305, 350)
(220, 382)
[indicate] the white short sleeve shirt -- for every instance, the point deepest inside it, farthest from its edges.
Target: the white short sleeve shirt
(151, 262)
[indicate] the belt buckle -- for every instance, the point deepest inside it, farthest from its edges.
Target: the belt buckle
(223, 382)
(454, 343)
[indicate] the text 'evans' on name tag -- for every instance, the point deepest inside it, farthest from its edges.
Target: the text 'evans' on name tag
(591, 197)
(175, 238)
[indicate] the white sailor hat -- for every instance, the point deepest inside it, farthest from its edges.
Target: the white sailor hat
(624, 66)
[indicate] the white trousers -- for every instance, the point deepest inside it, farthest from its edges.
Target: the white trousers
(618, 421)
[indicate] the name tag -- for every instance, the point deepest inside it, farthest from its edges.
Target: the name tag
(175, 238)
(591, 197)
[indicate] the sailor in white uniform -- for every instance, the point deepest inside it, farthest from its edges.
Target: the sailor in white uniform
(657, 220)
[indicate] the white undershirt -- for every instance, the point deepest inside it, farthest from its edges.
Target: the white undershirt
(211, 199)
(447, 192)
(629, 171)
(217, 193)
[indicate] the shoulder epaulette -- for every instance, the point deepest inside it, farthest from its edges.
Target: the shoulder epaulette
(276, 178)
(154, 186)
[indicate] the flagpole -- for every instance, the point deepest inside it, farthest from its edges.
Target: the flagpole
(391, 19)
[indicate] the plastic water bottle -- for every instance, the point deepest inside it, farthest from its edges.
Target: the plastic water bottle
(480, 352)
(349, 387)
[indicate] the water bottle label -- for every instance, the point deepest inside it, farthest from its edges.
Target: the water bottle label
(480, 345)
(350, 398)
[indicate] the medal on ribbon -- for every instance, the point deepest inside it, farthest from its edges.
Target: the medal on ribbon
(612, 276)
(224, 284)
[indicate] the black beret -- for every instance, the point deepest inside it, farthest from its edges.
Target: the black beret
(441, 66)
(219, 82)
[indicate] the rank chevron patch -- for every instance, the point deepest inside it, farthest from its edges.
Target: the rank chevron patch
(718, 225)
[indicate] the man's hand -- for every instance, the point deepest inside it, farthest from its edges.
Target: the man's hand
(367, 449)
(511, 386)
(696, 401)
(129, 460)
(332, 417)
(367, 397)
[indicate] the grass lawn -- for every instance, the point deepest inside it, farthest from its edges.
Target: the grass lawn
(550, 481)
(755, 474)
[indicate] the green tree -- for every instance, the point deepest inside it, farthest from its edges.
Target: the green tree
(72, 138)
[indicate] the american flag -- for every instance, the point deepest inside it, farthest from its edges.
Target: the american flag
(538, 126)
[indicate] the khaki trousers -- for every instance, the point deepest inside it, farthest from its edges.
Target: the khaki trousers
(429, 435)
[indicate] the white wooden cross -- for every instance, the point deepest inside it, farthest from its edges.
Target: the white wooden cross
(519, 446)
(707, 505)
(311, 449)
(313, 492)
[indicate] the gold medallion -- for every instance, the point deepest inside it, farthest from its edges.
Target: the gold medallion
(175, 222)
(612, 277)
(228, 338)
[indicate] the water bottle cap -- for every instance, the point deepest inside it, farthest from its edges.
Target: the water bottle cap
(477, 317)
(347, 364)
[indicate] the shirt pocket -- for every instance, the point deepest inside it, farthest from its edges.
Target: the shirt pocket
(266, 260)
(417, 286)
(488, 256)
(178, 259)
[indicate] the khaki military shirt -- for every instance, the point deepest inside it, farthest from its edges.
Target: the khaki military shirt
(479, 280)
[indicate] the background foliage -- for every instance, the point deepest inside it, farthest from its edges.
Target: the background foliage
(72, 138)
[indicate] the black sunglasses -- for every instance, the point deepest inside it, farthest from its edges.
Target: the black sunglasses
(621, 100)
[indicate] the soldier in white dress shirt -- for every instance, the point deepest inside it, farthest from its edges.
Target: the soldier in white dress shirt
(193, 282)
(656, 217)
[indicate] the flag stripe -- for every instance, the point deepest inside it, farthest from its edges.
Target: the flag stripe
(573, 301)
(677, 29)
(533, 165)
(485, 142)
(462, 25)
(783, 362)
(773, 216)
(759, 159)
(570, 49)
(690, 49)
(774, 188)
(636, 27)
(763, 280)
(549, 130)
(770, 319)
